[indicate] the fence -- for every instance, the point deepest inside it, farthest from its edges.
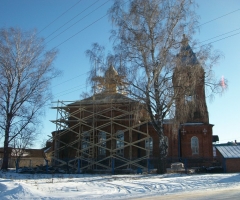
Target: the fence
(25, 162)
(117, 166)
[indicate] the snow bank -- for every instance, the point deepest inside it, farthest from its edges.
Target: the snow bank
(85, 186)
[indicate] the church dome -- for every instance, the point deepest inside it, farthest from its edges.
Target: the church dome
(111, 72)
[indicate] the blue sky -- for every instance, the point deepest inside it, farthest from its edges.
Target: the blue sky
(73, 38)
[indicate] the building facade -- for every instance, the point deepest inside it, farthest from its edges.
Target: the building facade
(110, 131)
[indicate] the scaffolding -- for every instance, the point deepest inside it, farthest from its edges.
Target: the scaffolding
(101, 133)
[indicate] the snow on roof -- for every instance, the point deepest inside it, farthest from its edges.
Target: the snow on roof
(229, 151)
(46, 150)
(104, 98)
(192, 123)
(27, 152)
(19, 152)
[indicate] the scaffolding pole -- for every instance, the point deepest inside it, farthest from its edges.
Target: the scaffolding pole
(77, 121)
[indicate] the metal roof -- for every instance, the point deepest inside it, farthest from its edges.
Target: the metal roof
(229, 151)
(104, 98)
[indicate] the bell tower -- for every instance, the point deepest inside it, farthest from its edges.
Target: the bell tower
(189, 87)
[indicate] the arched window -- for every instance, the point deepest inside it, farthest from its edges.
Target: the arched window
(102, 141)
(188, 98)
(120, 143)
(194, 145)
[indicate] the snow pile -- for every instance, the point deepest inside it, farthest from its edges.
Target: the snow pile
(85, 186)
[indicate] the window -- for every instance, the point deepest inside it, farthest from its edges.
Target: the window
(188, 98)
(214, 152)
(194, 145)
(120, 143)
(102, 141)
(85, 143)
(197, 115)
(149, 145)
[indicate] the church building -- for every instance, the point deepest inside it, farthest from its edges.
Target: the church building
(111, 132)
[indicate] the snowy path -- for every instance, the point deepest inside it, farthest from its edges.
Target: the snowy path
(208, 194)
(71, 186)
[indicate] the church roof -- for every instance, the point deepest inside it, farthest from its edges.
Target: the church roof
(186, 55)
(229, 151)
(111, 72)
(102, 98)
(109, 94)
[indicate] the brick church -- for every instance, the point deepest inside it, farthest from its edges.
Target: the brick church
(111, 132)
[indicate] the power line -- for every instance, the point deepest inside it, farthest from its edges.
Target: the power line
(72, 19)
(59, 16)
(79, 21)
(98, 20)
(83, 28)
(218, 17)
(125, 2)
(72, 37)
(106, 15)
(221, 39)
(70, 79)
(71, 91)
(220, 35)
(88, 71)
(76, 33)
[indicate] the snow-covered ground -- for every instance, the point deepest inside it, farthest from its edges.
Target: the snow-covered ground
(85, 186)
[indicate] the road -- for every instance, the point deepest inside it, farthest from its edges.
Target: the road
(218, 194)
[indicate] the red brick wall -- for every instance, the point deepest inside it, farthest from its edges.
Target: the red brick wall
(232, 165)
(205, 140)
(172, 140)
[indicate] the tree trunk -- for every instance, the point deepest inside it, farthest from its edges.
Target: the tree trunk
(162, 164)
(162, 159)
(5, 153)
(5, 148)
(17, 164)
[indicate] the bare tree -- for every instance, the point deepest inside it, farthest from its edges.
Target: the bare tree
(151, 47)
(25, 73)
(20, 143)
(100, 63)
(162, 69)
